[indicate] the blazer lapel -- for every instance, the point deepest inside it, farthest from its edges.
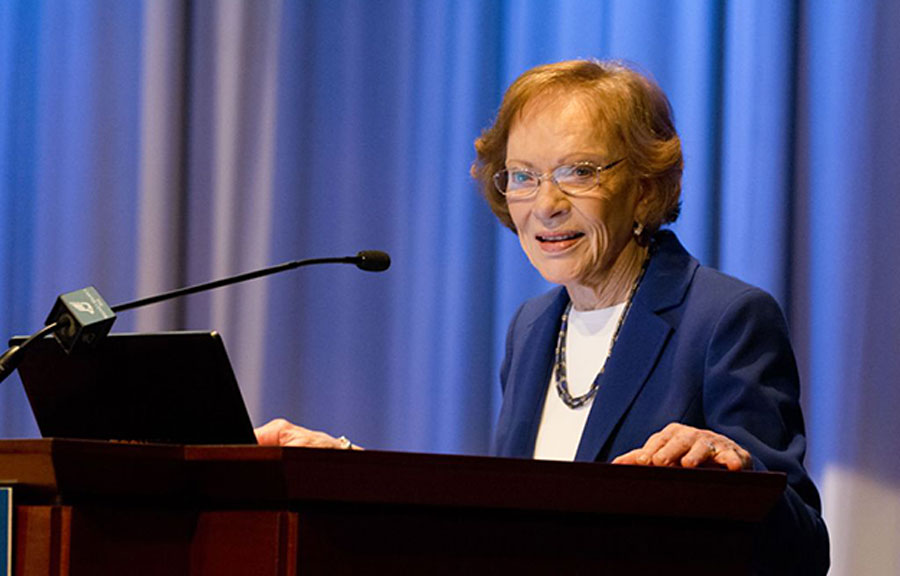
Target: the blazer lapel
(641, 341)
(531, 379)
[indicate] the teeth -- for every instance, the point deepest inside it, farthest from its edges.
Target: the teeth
(558, 237)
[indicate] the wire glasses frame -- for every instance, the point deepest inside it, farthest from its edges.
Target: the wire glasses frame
(572, 179)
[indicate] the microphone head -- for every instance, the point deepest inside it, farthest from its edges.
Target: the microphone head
(373, 260)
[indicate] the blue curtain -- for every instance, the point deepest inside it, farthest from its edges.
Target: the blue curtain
(149, 145)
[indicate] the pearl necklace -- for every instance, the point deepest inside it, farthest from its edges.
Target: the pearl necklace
(562, 386)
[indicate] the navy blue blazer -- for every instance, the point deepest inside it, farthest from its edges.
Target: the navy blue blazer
(700, 348)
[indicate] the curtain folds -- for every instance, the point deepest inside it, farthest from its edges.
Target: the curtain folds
(146, 145)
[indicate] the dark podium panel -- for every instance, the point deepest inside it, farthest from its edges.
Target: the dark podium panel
(94, 508)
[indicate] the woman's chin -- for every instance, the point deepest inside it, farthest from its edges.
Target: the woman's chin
(562, 275)
(563, 267)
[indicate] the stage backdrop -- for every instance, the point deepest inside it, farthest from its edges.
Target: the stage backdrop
(149, 145)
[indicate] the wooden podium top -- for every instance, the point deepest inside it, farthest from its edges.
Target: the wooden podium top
(62, 471)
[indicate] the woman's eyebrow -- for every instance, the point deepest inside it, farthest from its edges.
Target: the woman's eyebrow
(519, 163)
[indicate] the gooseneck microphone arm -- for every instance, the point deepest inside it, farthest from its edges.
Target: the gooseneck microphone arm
(370, 260)
(83, 316)
(10, 359)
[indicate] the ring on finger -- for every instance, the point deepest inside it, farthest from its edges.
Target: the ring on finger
(346, 444)
(712, 449)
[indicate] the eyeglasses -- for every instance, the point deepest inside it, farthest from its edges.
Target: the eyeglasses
(572, 179)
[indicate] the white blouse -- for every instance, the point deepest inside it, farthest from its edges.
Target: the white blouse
(588, 337)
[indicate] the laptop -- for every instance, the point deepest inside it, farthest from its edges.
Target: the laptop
(167, 387)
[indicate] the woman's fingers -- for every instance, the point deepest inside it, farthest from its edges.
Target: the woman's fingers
(679, 444)
(268, 433)
(701, 451)
(734, 457)
(655, 443)
(629, 457)
(281, 432)
(688, 447)
(300, 436)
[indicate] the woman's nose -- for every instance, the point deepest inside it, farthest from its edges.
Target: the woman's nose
(549, 201)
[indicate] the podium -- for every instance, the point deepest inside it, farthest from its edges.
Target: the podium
(97, 508)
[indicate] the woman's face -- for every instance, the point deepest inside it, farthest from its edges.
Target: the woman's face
(573, 241)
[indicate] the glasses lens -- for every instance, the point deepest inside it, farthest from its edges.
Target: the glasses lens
(576, 178)
(500, 179)
(515, 182)
(520, 182)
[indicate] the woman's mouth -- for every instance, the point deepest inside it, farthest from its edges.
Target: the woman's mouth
(558, 241)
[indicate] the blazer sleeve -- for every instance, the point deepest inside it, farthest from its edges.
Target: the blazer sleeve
(751, 394)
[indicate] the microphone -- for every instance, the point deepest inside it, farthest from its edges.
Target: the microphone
(78, 318)
(373, 261)
(82, 317)
(369, 260)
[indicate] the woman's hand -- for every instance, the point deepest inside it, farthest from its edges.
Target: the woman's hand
(688, 447)
(280, 432)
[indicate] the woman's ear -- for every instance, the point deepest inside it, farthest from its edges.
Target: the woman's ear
(644, 207)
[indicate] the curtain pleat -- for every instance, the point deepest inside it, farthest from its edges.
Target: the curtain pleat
(148, 145)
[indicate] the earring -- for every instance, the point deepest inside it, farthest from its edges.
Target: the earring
(637, 229)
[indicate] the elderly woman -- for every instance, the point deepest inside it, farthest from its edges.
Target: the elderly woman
(640, 356)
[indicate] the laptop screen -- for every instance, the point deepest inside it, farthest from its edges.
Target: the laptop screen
(171, 387)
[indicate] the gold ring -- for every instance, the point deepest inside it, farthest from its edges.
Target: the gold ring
(712, 448)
